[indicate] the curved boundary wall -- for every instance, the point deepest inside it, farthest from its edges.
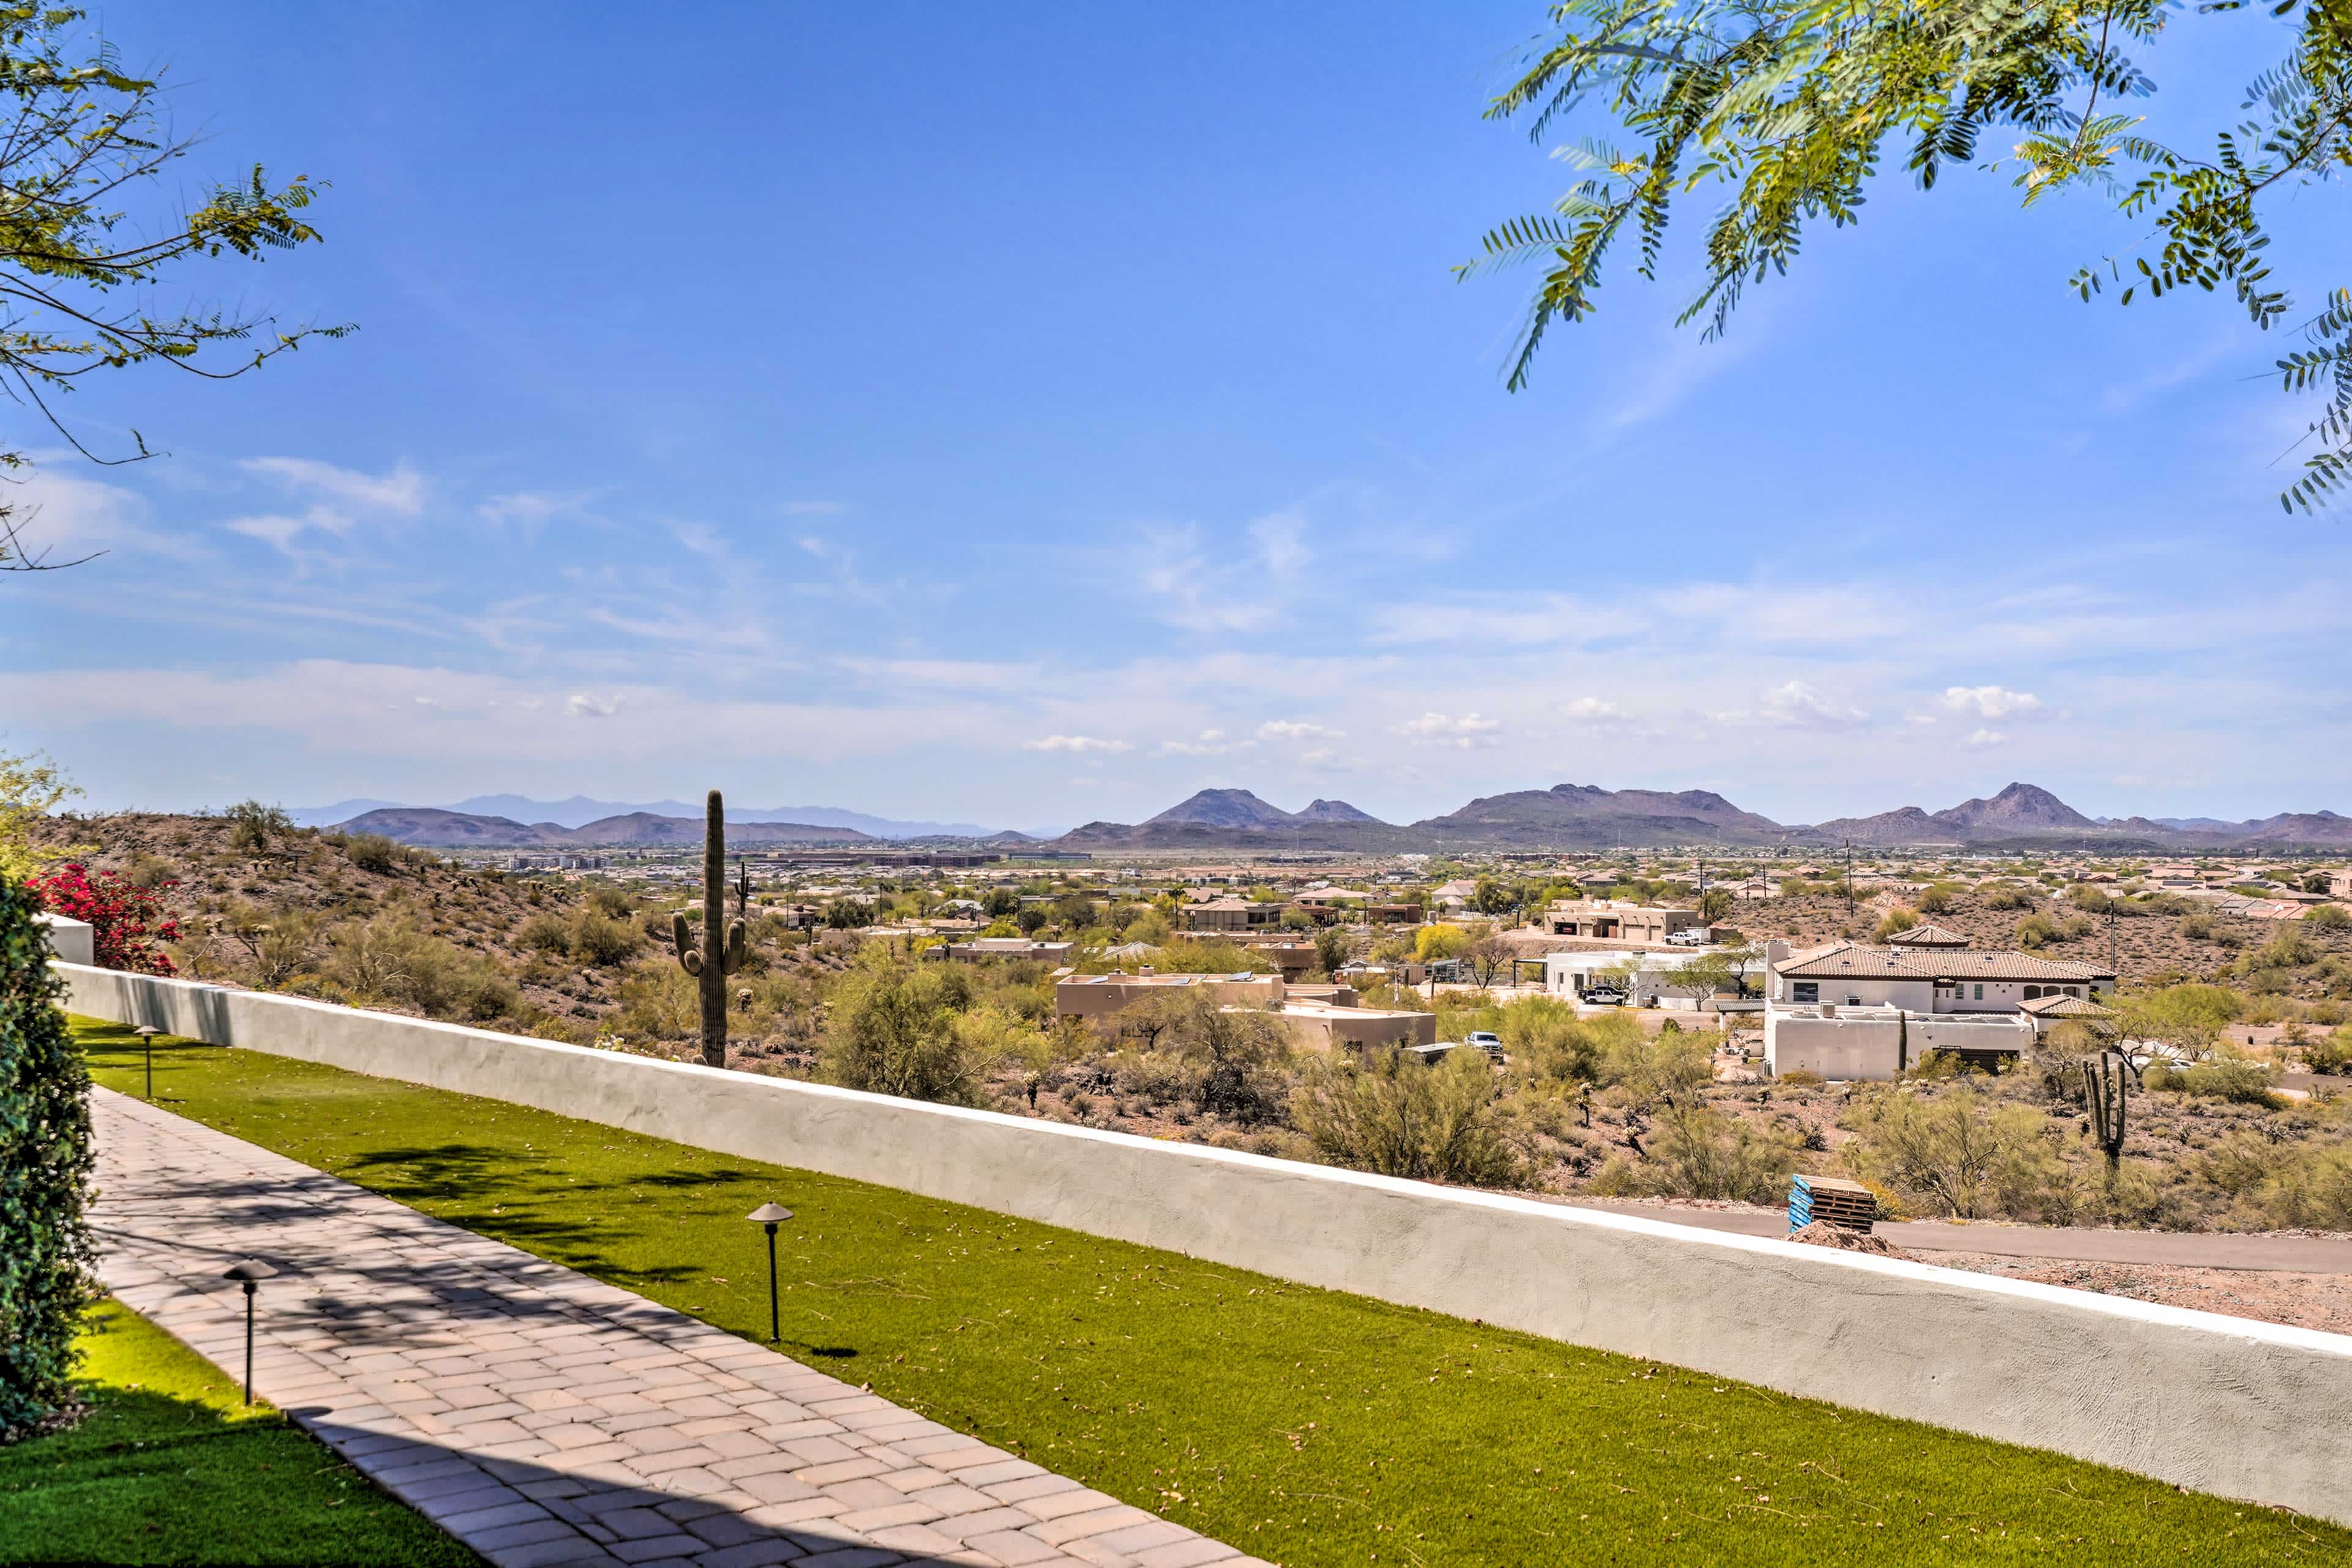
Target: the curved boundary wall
(2224, 1404)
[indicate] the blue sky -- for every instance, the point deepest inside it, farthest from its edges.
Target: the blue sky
(1031, 414)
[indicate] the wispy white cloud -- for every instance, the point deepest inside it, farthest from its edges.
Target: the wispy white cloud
(1990, 701)
(401, 491)
(588, 705)
(1075, 743)
(1981, 738)
(1211, 744)
(1434, 728)
(1798, 704)
(1295, 730)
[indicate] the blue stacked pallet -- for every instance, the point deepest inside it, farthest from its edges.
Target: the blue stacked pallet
(1849, 1206)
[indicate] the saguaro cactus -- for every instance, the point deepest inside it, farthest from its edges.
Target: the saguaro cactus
(708, 963)
(2104, 1085)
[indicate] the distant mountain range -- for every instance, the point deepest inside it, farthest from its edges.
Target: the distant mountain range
(634, 829)
(580, 811)
(1585, 816)
(1566, 817)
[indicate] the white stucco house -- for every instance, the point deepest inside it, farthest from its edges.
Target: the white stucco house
(1846, 1011)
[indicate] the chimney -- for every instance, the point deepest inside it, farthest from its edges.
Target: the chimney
(1143, 969)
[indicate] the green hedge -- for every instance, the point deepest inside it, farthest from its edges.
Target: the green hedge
(47, 1278)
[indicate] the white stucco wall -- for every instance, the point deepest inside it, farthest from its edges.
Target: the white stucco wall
(71, 940)
(1872, 1044)
(2243, 1408)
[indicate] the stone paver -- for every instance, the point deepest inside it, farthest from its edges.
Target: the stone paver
(546, 1418)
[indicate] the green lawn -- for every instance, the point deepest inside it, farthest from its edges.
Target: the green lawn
(170, 1467)
(1308, 1426)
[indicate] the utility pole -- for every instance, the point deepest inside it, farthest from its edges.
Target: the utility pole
(1849, 879)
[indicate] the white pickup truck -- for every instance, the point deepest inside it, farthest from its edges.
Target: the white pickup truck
(1689, 936)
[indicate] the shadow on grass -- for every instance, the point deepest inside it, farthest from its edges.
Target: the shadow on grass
(158, 1473)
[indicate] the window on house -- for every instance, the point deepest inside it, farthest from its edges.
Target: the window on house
(1979, 991)
(1807, 991)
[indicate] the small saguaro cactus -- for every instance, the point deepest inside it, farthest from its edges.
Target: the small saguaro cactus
(709, 964)
(2104, 1085)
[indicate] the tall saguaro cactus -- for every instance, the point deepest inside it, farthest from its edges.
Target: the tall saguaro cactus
(2104, 1085)
(708, 963)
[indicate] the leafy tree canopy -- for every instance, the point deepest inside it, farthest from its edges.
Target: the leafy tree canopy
(80, 142)
(1791, 105)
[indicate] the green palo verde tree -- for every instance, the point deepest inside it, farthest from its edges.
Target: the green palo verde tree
(79, 265)
(715, 957)
(47, 1275)
(1790, 106)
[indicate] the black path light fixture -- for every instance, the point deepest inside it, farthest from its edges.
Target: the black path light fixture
(147, 1033)
(771, 1215)
(248, 1272)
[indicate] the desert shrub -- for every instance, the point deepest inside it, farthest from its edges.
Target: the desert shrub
(2089, 898)
(149, 871)
(2289, 949)
(2008, 896)
(389, 959)
(2328, 917)
(1897, 922)
(1937, 898)
(278, 944)
(1649, 1070)
(893, 1031)
(252, 826)
(658, 1000)
(1547, 1041)
(1954, 1151)
(2331, 1053)
(2197, 925)
(2036, 931)
(1697, 1152)
(1239, 1053)
(1390, 1114)
(374, 852)
(2189, 1015)
(545, 932)
(2230, 1079)
(47, 1259)
(2313, 1187)
(598, 938)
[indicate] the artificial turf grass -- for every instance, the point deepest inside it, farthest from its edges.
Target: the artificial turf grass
(169, 1467)
(1304, 1425)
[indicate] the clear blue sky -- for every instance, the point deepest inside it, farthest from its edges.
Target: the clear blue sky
(1030, 414)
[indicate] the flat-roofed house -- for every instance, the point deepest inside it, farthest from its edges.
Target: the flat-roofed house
(1232, 915)
(1102, 996)
(1324, 1026)
(1613, 920)
(998, 947)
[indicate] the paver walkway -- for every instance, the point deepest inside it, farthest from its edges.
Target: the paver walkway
(545, 1418)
